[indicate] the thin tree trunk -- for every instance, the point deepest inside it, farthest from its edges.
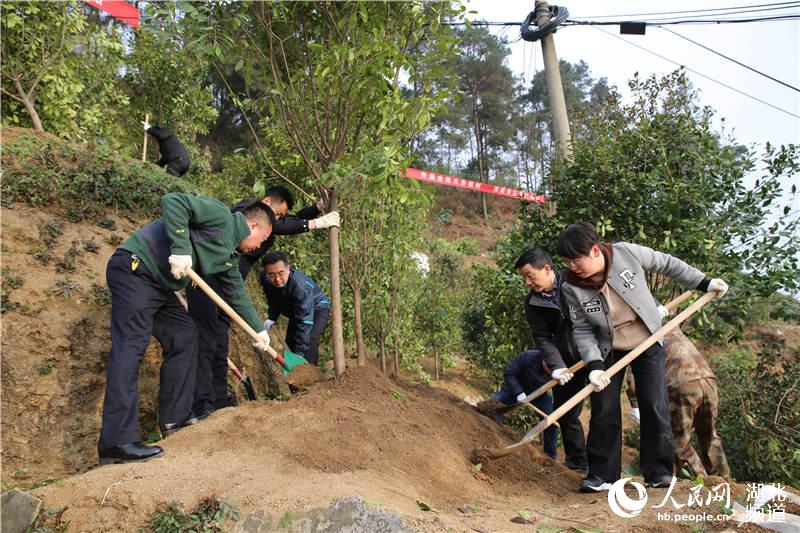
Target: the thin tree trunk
(436, 366)
(383, 355)
(37, 123)
(479, 150)
(360, 349)
(396, 360)
(339, 364)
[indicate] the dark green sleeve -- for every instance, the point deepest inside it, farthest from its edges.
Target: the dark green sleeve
(240, 301)
(179, 210)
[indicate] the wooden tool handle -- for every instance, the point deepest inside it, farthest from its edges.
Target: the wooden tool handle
(144, 145)
(233, 314)
(541, 413)
(235, 371)
(672, 305)
(616, 367)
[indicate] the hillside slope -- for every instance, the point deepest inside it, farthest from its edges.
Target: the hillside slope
(393, 443)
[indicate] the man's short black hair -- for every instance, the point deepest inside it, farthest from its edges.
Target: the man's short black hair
(576, 240)
(260, 211)
(281, 194)
(536, 257)
(273, 257)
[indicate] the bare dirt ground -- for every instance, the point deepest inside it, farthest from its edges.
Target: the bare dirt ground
(395, 444)
(361, 434)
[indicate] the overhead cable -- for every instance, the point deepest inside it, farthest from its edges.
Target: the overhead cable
(772, 5)
(732, 60)
(699, 73)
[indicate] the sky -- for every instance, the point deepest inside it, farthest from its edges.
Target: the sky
(772, 47)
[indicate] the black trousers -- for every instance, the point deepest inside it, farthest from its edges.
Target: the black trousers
(571, 428)
(178, 167)
(213, 325)
(321, 318)
(141, 308)
(656, 449)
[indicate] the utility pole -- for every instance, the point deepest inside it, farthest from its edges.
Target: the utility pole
(555, 91)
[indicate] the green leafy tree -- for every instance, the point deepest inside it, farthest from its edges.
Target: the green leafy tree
(535, 143)
(653, 171)
(486, 85)
(60, 70)
(334, 95)
(168, 80)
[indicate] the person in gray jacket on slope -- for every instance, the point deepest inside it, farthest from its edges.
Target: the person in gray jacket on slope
(612, 312)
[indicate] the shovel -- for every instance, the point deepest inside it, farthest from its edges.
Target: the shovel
(248, 384)
(293, 359)
(672, 305)
(589, 389)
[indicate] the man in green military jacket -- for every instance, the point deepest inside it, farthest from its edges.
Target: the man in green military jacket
(143, 275)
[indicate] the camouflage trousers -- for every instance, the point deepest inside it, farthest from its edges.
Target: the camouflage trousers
(693, 405)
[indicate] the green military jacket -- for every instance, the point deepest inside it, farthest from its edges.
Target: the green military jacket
(205, 229)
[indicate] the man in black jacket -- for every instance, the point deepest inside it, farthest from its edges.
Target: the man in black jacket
(173, 154)
(291, 293)
(211, 383)
(551, 329)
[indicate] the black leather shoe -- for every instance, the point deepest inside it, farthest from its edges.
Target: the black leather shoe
(205, 414)
(224, 402)
(170, 428)
(130, 452)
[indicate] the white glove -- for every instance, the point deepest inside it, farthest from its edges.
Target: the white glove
(326, 221)
(146, 125)
(663, 312)
(635, 414)
(717, 284)
(597, 379)
(180, 265)
(563, 375)
(263, 344)
(521, 396)
(268, 324)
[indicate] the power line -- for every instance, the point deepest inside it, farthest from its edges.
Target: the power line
(572, 22)
(730, 13)
(732, 60)
(698, 73)
(692, 10)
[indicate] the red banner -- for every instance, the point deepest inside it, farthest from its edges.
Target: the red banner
(118, 9)
(442, 179)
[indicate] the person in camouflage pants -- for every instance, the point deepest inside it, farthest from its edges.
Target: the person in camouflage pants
(693, 401)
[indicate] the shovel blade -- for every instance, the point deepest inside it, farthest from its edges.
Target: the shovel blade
(249, 389)
(292, 360)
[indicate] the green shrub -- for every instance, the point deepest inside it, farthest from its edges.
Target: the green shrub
(759, 411)
(444, 216)
(209, 515)
(83, 181)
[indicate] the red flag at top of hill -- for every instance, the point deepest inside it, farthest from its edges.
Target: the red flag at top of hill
(118, 9)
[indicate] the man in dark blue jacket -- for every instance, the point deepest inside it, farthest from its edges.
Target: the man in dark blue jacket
(173, 154)
(211, 384)
(291, 293)
(524, 374)
(552, 334)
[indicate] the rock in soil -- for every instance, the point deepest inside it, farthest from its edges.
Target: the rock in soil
(19, 510)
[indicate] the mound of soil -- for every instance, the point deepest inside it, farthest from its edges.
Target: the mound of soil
(359, 434)
(403, 447)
